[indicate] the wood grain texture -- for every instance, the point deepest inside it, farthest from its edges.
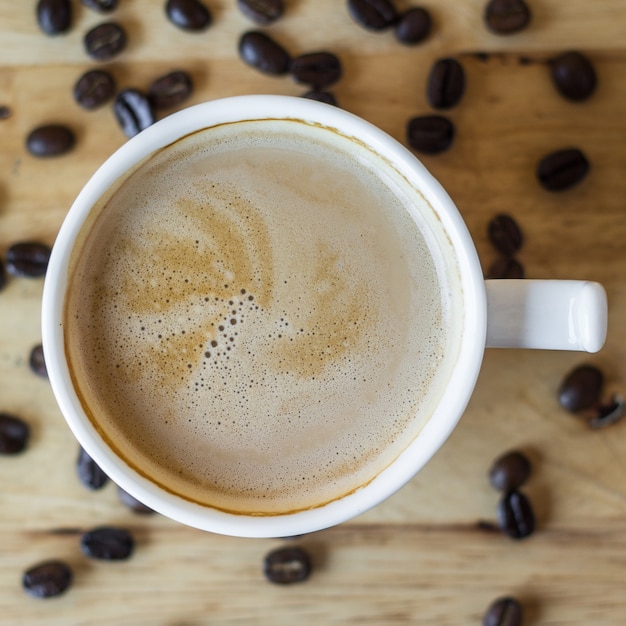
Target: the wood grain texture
(422, 557)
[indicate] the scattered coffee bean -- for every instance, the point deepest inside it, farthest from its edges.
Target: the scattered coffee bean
(509, 471)
(133, 111)
(446, 84)
(107, 543)
(89, 472)
(318, 69)
(37, 362)
(504, 611)
(50, 140)
(288, 565)
(413, 26)
(516, 517)
(373, 14)
(581, 388)
(504, 234)
(190, 15)
(102, 6)
(562, 169)
(132, 503)
(5, 112)
(54, 16)
(47, 579)
(261, 52)
(263, 12)
(94, 88)
(321, 96)
(170, 90)
(14, 434)
(505, 268)
(573, 76)
(430, 134)
(504, 17)
(105, 41)
(607, 414)
(28, 259)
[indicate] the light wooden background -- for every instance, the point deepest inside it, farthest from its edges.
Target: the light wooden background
(422, 557)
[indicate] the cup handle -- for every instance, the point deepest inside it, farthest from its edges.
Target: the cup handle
(546, 314)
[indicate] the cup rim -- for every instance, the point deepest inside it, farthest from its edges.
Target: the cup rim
(438, 427)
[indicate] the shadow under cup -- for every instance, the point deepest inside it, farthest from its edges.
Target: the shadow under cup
(262, 316)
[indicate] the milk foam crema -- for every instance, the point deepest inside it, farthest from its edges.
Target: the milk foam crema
(256, 320)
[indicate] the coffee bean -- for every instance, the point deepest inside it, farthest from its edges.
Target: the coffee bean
(50, 140)
(133, 111)
(190, 15)
(37, 362)
(505, 234)
(446, 84)
(288, 565)
(581, 388)
(94, 88)
(504, 17)
(107, 543)
(89, 472)
(318, 69)
(102, 6)
(430, 134)
(505, 268)
(562, 169)
(504, 611)
(607, 414)
(573, 76)
(263, 12)
(14, 434)
(5, 112)
(105, 41)
(47, 579)
(516, 517)
(373, 14)
(261, 52)
(170, 90)
(132, 503)
(54, 16)
(509, 471)
(413, 26)
(321, 96)
(28, 259)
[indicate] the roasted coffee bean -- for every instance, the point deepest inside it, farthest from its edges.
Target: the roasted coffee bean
(573, 76)
(170, 90)
(94, 88)
(430, 134)
(288, 565)
(89, 472)
(37, 362)
(47, 579)
(132, 503)
(373, 14)
(509, 471)
(102, 6)
(50, 140)
(413, 26)
(516, 517)
(321, 96)
(504, 17)
(505, 267)
(318, 69)
(28, 259)
(190, 15)
(263, 12)
(581, 388)
(105, 41)
(504, 611)
(562, 169)
(14, 434)
(504, 234)
(446, 84)
(261, 52)
(54, 16)
(133, 111)
(107, 543)
(607, 414)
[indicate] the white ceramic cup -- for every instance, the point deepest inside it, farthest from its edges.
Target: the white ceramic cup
(565, 315)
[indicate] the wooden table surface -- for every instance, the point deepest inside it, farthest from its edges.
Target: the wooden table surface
(423, 557)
